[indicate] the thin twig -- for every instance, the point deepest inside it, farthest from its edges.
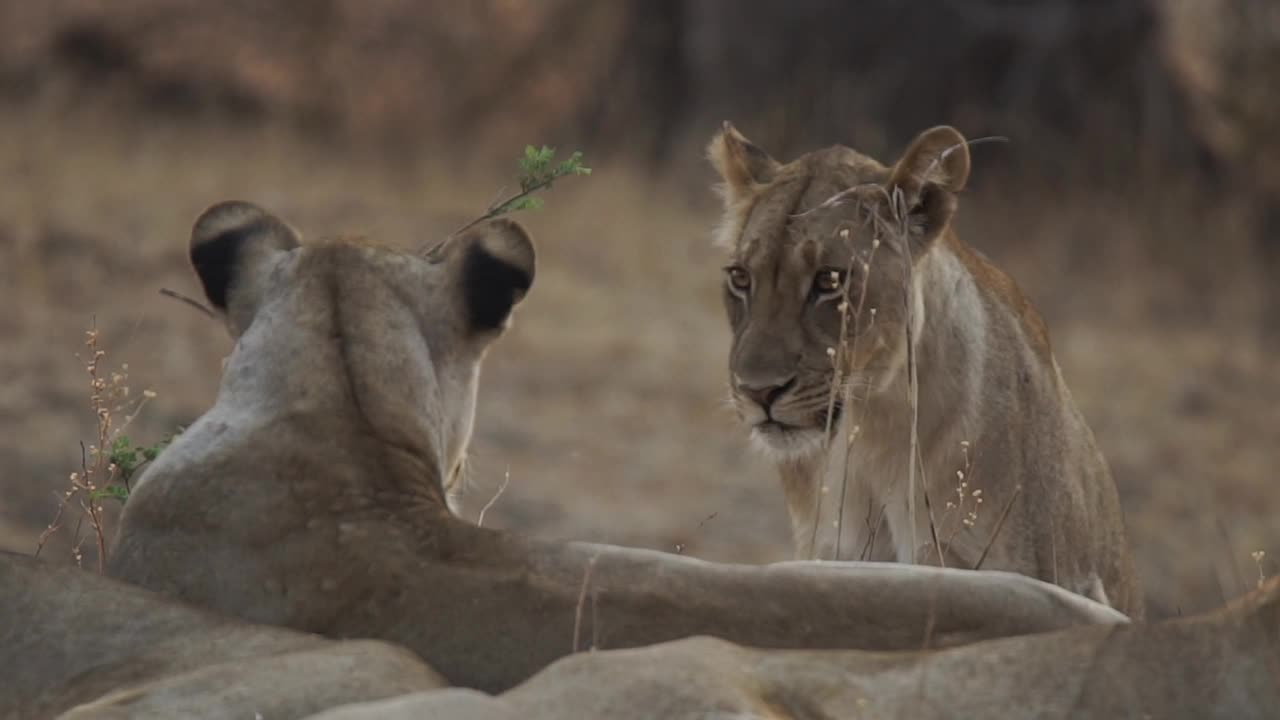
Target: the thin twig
(595, 619)
(54, 525)
(931, 622)
(837, 381)
(848, 354)
(899, 208)
(189, 301)
(1226, 542)
(496, 208)
(582, 599)
(933, 527)
(680, 546)
(967, 143)
(1004, 513)
(1053, 547)
(79, 541)
(505, 480)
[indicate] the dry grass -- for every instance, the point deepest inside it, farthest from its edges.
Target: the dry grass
(605, 399)
(102, 476)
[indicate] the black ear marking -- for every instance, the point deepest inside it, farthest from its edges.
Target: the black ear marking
(491, 287)
(215, 260)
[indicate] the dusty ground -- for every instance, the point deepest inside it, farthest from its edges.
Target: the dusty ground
(605, 402)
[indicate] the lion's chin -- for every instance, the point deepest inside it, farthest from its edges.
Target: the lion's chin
(786, 442)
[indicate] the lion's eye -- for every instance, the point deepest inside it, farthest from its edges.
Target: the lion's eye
(739, 278)
(828, 280)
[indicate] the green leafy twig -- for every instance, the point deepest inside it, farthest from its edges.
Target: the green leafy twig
(538, 171)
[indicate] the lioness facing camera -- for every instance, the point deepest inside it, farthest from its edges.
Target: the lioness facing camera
(845, 281)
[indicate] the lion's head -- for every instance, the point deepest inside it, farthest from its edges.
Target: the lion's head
(386, 315)
(820, 250)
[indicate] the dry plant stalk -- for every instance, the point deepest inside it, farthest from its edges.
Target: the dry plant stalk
(915, 463)
(846, 354)
(897, 227)
(98, 476)
(837, 355)
(1004, 513)
(582, 600)
(964, 480)
(680, 546)
(506, 480)
(189, 301)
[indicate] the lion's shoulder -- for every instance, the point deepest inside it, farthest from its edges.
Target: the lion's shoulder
(1000, 287)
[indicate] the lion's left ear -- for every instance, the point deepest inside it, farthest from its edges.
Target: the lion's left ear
(497, 272)
(741, 164)
(233, 244)
(930, 173)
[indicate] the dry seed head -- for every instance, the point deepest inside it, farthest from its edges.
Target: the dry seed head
(853, 435)
(1258, 555)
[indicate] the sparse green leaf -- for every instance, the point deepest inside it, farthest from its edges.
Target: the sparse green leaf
(538, 171)
(110, 492)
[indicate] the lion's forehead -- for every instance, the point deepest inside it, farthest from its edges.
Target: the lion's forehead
(808, 239)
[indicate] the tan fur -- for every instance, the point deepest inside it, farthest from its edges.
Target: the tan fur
(73, 641)
(1222, 664)
(989, 389)
(310, 496)
(98, 649)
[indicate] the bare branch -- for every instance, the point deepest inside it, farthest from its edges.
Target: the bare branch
(189, 301)
(582, 599)
(1004, 513)
(505, 481)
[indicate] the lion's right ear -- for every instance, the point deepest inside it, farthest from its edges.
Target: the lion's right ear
(497, 272)
(232, 244)
(742, 165)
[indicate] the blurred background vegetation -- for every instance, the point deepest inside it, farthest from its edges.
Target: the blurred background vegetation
(1138, 204)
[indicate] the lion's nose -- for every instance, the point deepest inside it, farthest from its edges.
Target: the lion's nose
(766, 394)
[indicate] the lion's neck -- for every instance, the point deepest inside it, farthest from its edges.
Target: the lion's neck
(376, 392)
(866, 459)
